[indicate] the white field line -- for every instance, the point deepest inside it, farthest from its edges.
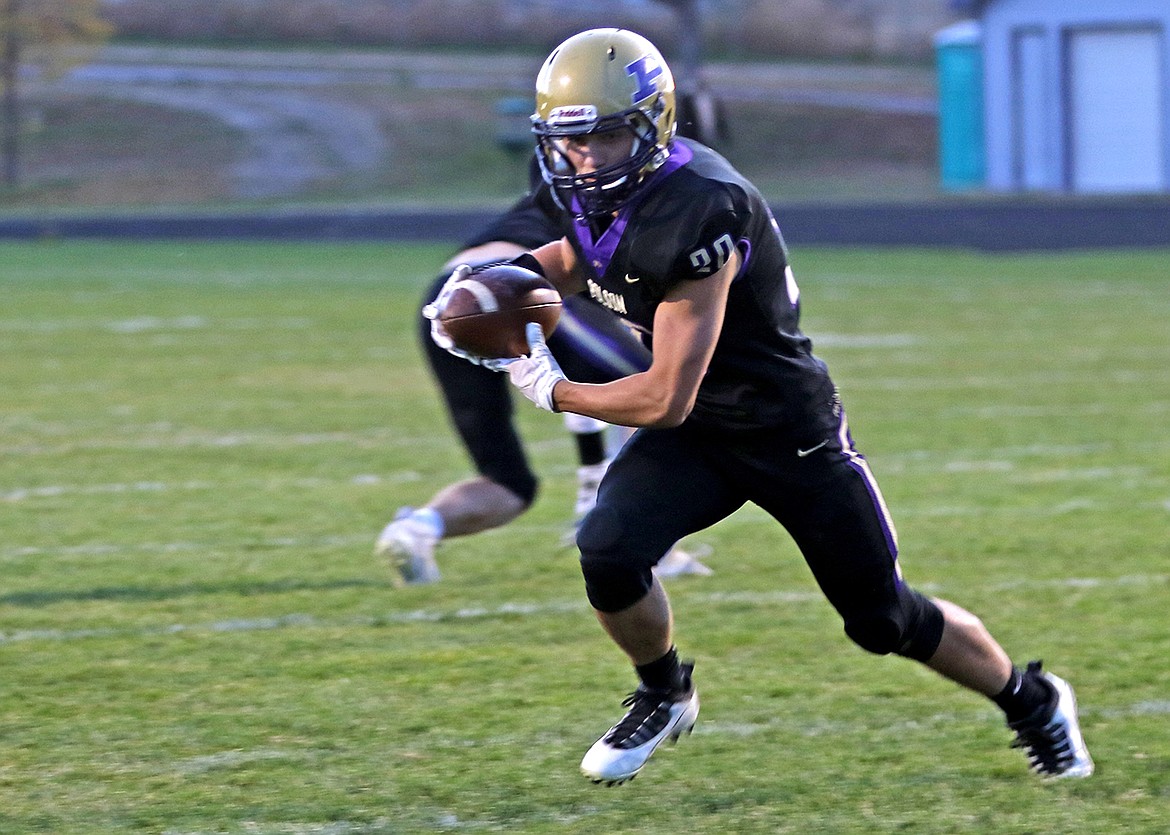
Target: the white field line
(19, 494)
(56, 438)
(1120, 476)
(14, 553)
(930, 380)
(749, 515)
(439, 822)
(1002, 459)
(795, 725)
(234, 758)
(443, 822)
(155, 438)
(1016, 410)
(511, 610)
(867, 341)
(814, 726)
(1082, 505)
(52, 491)
(156, 324)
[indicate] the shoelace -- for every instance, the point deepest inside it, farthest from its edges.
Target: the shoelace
(649, 712)
(1047, 747)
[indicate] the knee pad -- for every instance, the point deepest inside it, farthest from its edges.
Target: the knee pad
(910, 626)
(614, 580)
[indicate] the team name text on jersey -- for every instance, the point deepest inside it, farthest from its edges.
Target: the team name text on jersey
(614, 301)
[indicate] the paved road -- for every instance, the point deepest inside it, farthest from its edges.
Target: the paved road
(299, 125)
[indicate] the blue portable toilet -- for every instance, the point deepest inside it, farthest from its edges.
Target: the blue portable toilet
(959, 54)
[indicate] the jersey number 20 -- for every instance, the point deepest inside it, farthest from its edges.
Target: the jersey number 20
(707, 260)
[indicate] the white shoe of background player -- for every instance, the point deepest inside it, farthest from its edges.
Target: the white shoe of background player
(409, 545)
(588, 480)
(678, 562)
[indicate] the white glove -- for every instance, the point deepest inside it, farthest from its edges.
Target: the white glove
(537, 374)
(435, 309)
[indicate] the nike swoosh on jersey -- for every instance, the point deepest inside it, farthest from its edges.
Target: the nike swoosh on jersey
(804, 453)
(630, 280)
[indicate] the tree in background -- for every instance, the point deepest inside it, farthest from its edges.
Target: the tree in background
(43, 34)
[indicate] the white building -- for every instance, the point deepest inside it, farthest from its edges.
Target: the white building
(1076, 94)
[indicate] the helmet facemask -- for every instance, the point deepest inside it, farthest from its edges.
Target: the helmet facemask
(604, 191)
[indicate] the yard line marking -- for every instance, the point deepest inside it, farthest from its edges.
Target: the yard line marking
(746, 516)
(929, 381)
(50, 491)
(163, 436)
(19, 494)
(1043, 512)
(514, 609)
(439, 822)
(1055, 410)
(100, 549)
(813, 726)
(978, 466)
(155, 437)
(867, 341)
(1083, 474)
(1125, 580)
(294, 621)
(142, 324)
(1021, 451)
(231, 759)
(150, 324)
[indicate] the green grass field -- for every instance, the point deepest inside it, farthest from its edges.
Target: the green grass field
(199, 443)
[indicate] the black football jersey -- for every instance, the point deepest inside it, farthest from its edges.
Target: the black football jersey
(683, 226)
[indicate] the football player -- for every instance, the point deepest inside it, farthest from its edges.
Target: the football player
(734, 407)
(588, 340)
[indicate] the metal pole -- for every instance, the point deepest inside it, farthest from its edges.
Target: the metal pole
(9, 70)
(690, 40)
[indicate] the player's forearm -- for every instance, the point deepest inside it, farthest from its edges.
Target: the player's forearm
(631, 401)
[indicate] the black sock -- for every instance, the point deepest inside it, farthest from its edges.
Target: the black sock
(590, 448)
(1022, 695)
(663, 674)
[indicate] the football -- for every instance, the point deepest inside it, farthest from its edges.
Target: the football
(487, 312)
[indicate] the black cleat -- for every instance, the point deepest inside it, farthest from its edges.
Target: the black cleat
(1051, 737)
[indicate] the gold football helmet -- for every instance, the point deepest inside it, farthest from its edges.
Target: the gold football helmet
(598, 81)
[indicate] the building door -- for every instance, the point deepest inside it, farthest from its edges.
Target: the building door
(1034, 162)
(1116, 124)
